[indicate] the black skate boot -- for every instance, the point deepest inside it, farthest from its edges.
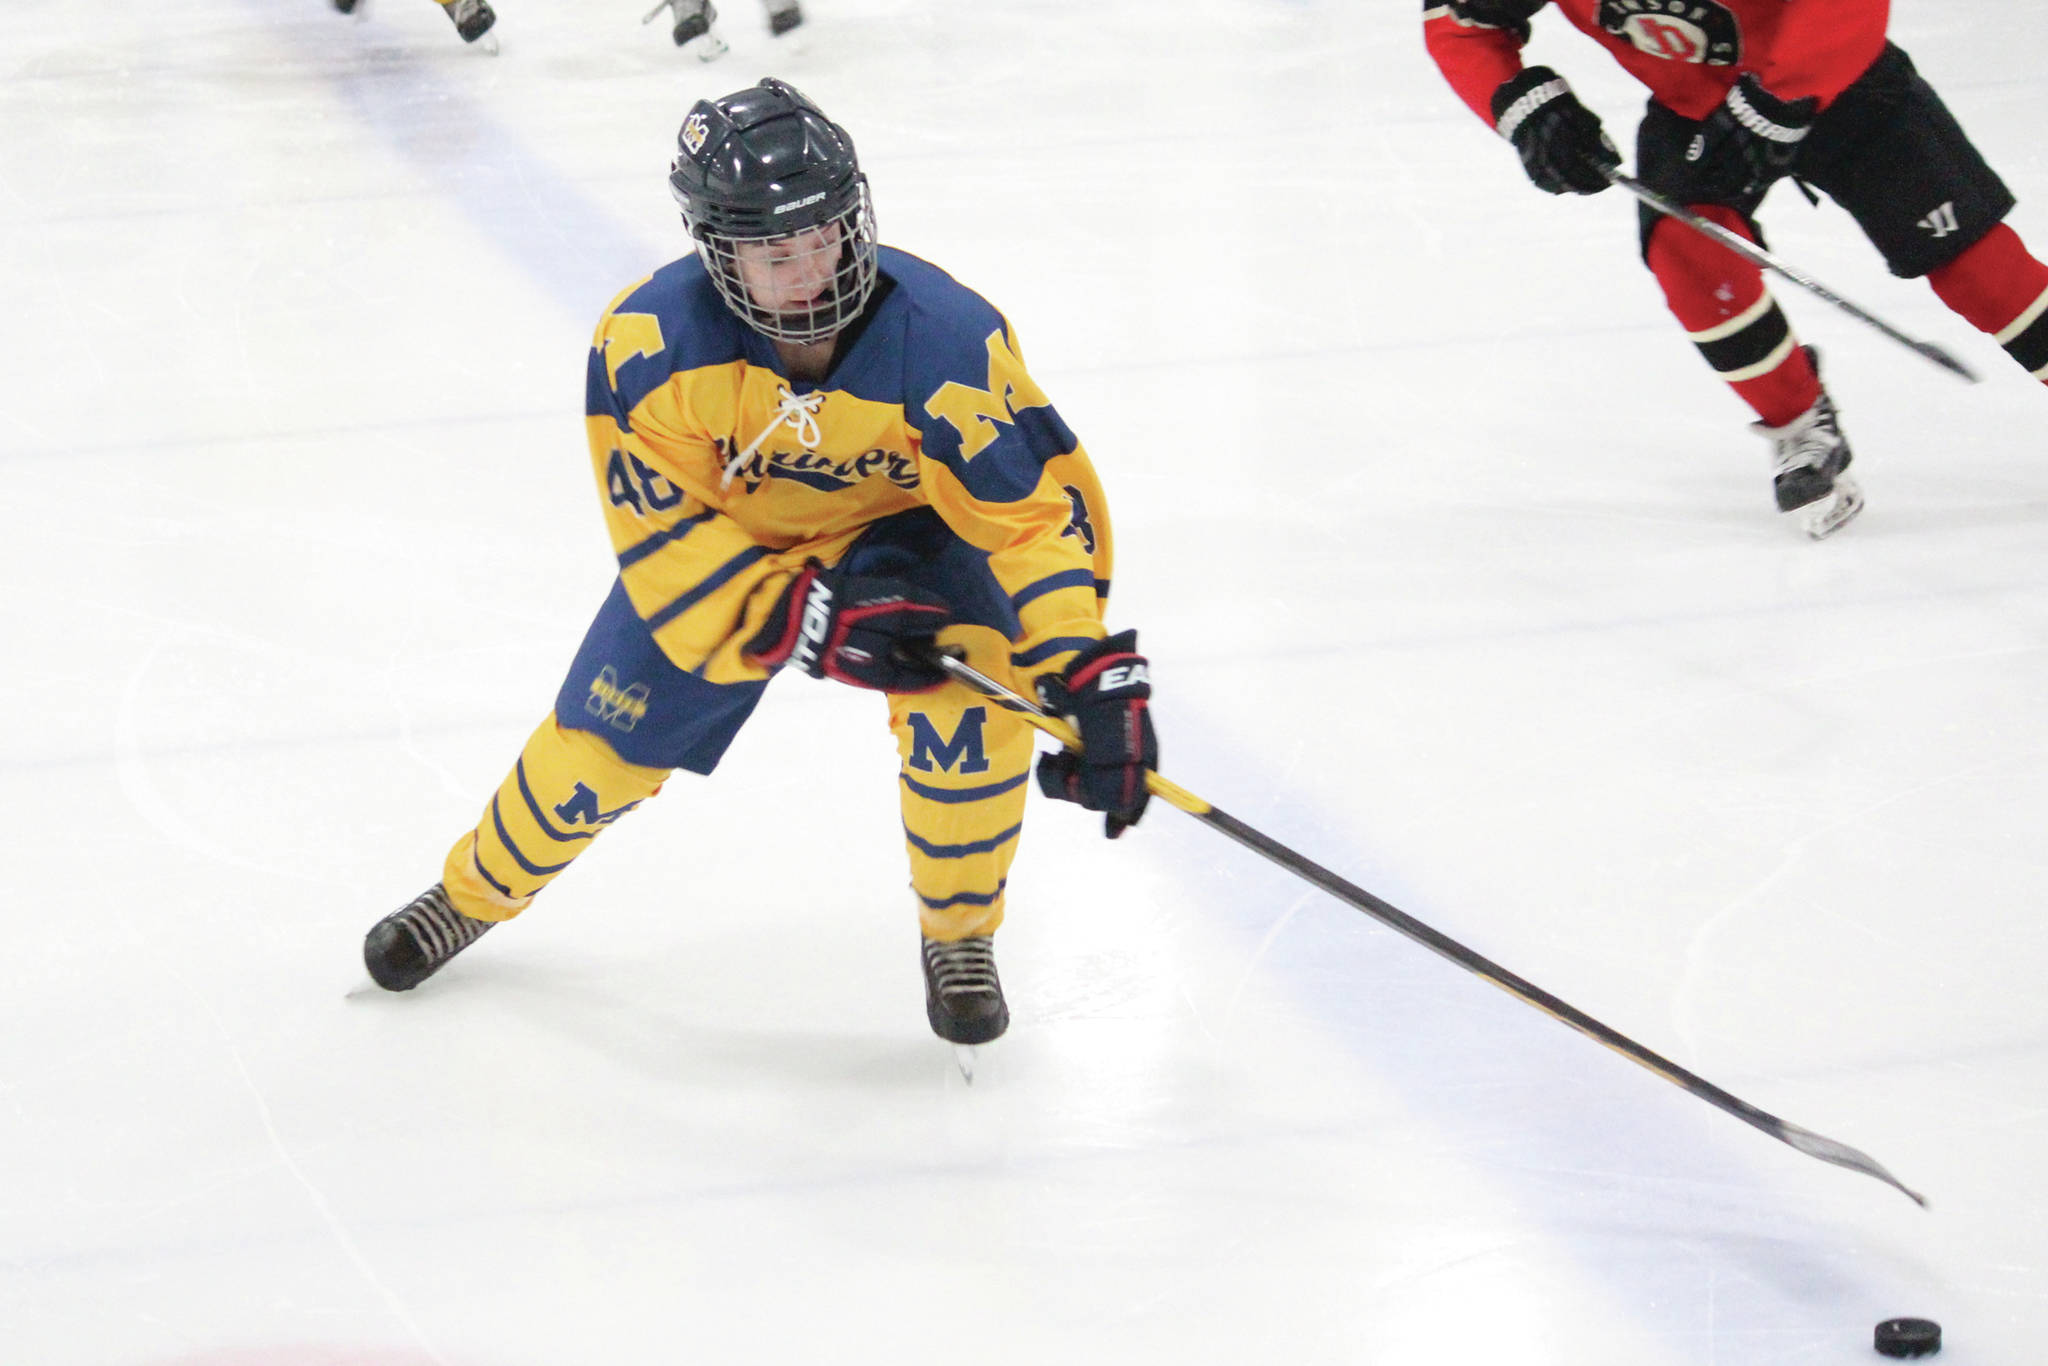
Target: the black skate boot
(345, 6)
(1809, 463)
(782, 17)
(963, 997)
(410, 945)
(694, 19)
(473, 18)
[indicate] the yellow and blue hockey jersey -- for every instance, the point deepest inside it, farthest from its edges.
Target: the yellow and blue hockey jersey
(721, 476)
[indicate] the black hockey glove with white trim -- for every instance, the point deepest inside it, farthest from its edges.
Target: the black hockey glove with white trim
(849, 627)
(1106, 694)
(1562, 145)
(1750, 141)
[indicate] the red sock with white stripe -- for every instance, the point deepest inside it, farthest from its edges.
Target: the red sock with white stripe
(1999, 286)
(1720, 300)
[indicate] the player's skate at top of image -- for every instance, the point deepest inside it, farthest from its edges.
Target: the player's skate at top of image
(695, 24)
(473, 19)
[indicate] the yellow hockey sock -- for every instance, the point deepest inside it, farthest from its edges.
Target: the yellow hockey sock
(565, 789)
(966, 773)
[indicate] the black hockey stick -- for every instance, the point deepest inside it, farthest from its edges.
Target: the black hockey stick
(1743, 247)
(1805, 1140)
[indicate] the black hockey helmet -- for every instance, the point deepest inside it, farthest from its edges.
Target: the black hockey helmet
(762, 165)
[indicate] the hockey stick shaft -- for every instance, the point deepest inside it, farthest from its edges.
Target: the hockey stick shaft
(1805, 1140)
(1750, 251)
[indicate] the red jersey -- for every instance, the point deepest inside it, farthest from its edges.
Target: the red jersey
(1687, 51)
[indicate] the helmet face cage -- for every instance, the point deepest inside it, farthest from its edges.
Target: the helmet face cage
(847, 237)
(768, 186)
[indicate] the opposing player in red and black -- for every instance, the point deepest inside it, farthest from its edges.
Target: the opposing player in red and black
(1742, 93)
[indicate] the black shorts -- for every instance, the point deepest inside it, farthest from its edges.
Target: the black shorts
(1887, 150)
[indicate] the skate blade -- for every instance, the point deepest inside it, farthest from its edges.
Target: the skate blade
(963, 1058)
(711, 47)
(1828, 515)
(487, 44)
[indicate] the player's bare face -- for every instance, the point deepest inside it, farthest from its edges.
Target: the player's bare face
(790, 274)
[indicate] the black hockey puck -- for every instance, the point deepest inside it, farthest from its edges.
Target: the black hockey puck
(1908, 1337)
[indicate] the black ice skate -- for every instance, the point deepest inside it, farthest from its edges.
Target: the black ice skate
(473, 18)
(963, 997)
(694, 19)
(782, 17)
(411, 944)
(345, 6)
(1809, 463)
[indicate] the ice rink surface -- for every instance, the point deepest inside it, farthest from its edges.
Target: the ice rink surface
(1458, 572)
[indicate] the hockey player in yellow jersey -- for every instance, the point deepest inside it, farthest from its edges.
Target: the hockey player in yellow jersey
(820, 454)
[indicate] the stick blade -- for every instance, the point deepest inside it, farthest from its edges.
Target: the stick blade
(1842, 1155)
(1946, 361)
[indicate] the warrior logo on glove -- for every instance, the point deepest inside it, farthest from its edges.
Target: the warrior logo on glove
(1749, 142)
(1561, 143)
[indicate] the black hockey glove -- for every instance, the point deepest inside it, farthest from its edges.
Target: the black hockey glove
(1563, 147)
(1510, 16)
(1105, 693)
(1750, 141)
(849, 627)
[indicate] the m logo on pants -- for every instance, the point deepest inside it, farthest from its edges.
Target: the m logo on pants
(928, 750)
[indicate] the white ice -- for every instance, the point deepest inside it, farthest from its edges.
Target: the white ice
(1459, 575)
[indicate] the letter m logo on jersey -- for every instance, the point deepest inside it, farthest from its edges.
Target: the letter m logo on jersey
(928, 750)
(974, 413)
